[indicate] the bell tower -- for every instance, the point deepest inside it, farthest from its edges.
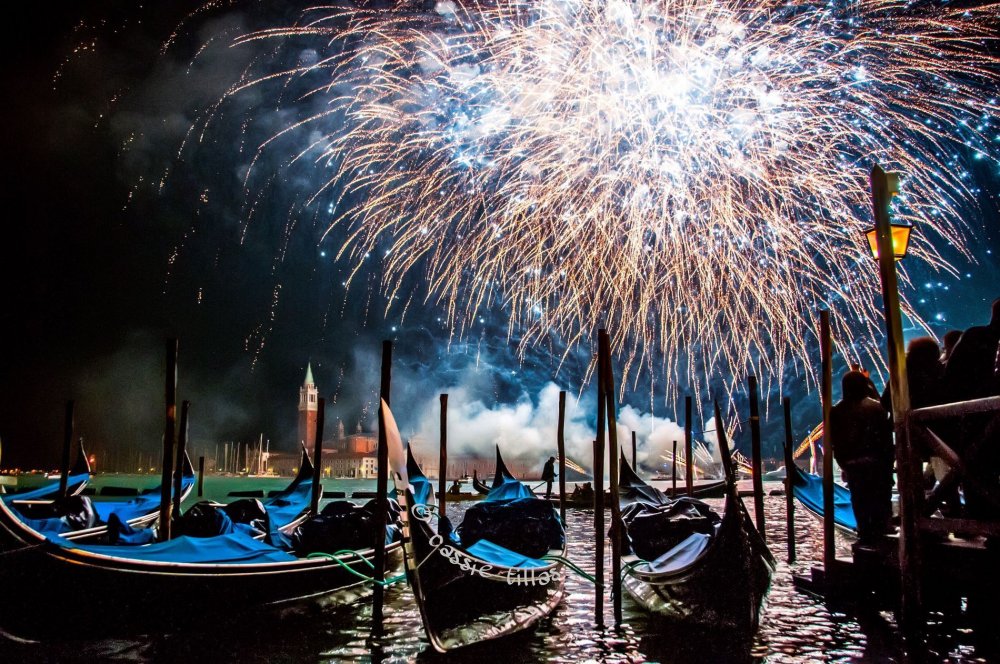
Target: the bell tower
(308, 408)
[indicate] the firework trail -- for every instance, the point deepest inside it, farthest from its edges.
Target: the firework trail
(690, 173)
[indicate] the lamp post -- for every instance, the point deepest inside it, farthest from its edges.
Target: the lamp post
(887, 251)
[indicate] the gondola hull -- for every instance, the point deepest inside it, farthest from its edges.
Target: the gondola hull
(128, 596)
(464, 599)
(723, 588)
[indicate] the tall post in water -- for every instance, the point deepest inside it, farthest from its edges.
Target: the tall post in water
(826, 389)
(381, 501)
(673, 472)
(561, 448)
(317, 486)
(599, 494)
(688, 448)
(168, 438)
(201, 476)
(179, 463)
(443, 458)
(789, 478)
(613, 461)
(755, 460)
(67, 444)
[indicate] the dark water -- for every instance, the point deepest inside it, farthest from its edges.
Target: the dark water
(795, 627)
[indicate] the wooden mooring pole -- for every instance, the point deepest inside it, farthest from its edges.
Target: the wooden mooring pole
(613, 462)
(755, 454)
(67, 444)
(635, 461)
(201, 476)
(826, 394)
(599, 493)
(561, 448)
(169, 432)
(688, 448)
(443, 458)
(382, 484)
(673, 473)
(789, 476)
(317, 487)
(182, 437)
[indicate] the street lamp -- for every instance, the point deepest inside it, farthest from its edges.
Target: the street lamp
(900, 240)
(900, 233)
(883, 187)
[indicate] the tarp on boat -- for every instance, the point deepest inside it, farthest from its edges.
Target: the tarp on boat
(499, 555)
(146, 503)
(529, 526)
(49, 490)
(680, 556)
(808, 488)
(234, 548)
(505, 485)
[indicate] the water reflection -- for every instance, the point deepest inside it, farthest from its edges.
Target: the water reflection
(795, 627)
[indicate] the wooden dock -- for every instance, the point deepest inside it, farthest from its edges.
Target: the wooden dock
(933, 563)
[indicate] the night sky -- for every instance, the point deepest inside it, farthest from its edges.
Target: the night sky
(99, 271)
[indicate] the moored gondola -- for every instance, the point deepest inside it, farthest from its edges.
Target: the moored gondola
(163, 586)
(689, 564)
(76, 482)
(473, 591)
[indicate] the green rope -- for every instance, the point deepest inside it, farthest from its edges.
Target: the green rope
(336, 558)
(568, 563)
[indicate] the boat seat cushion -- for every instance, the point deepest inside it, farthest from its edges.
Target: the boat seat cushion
(498, 555)
(682, 555)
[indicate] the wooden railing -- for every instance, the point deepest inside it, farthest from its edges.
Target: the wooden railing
(923, 438)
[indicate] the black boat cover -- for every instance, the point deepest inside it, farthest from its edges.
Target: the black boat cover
(528, 526)
(343, 525)
(652, 530)
(208, 519)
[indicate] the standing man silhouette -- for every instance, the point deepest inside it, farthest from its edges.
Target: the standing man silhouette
(549, 476)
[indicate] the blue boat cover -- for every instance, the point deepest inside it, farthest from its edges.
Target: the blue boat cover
(509, 489)
(499, 555)
(147, 503)
(285, 507)
(234, 548)
(808, 488)
(49, 490)
(683, 554)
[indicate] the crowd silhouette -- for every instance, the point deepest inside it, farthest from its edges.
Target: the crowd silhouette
(966, 366)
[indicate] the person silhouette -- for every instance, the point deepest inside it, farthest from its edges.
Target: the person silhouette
(549, 475)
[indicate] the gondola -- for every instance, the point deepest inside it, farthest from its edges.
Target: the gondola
(715, 489)
(469, 593)
(79, 477)
(163, 586)
(808, 488)
(716, 577)
(478, 485)
(500, 477)
(140, 512)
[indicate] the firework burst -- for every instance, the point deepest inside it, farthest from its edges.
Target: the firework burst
(690, 173)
